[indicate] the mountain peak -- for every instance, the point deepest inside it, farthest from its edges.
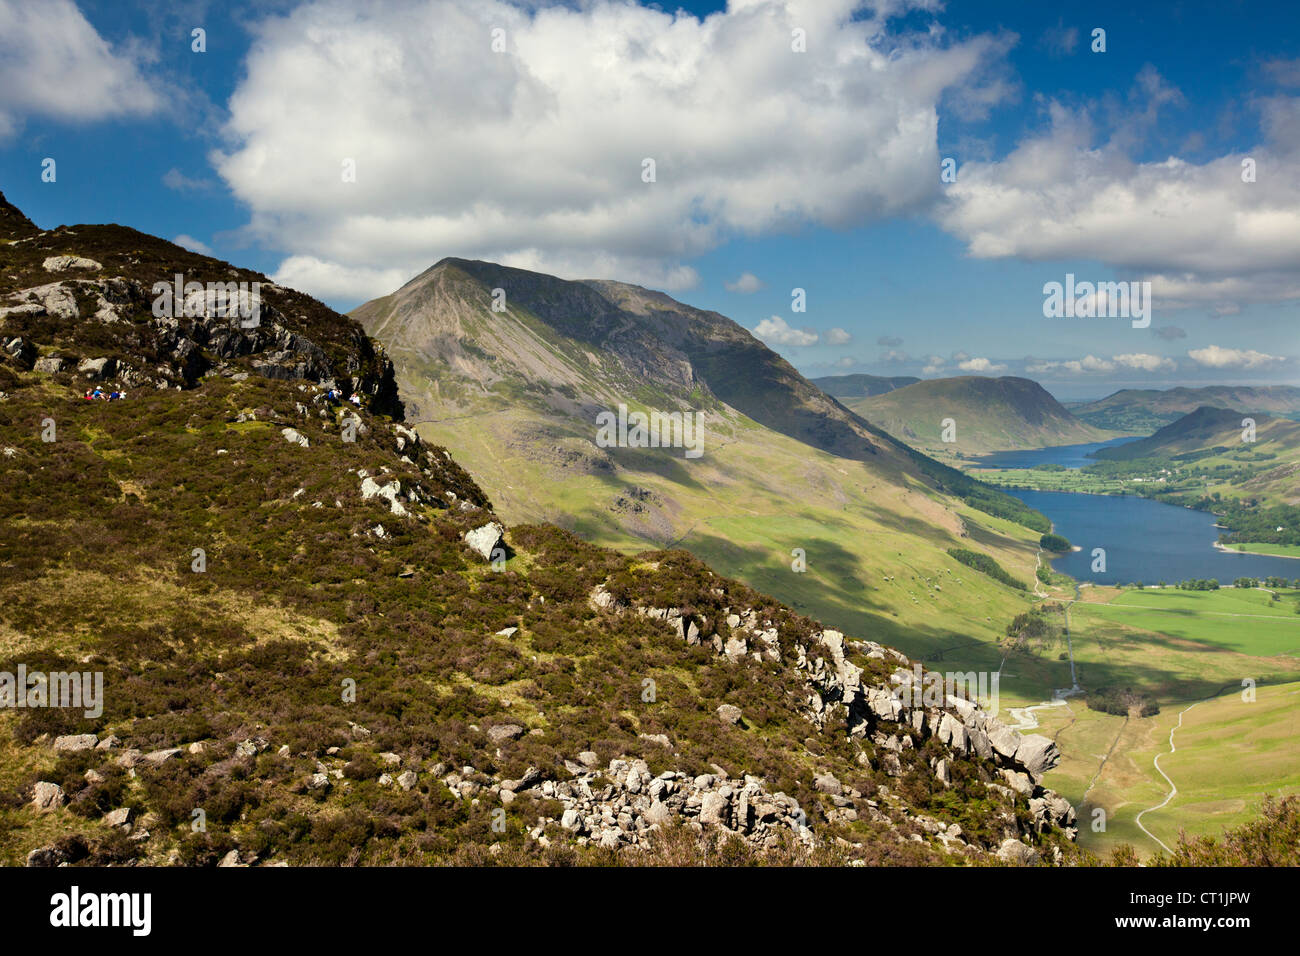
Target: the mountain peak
(13, 223)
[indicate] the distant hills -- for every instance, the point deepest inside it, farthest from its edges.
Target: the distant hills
(1207, 428)
(1141, 411)
(988, 414)
(861, 386)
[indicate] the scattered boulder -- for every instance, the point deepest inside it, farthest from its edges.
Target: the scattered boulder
(503, 732)
(48, 796)
(73, 743)
(729, 713)
(118, 818)
(97, 368)
(64, 263)
(1016, 853)
(294, 437)
(483, 541)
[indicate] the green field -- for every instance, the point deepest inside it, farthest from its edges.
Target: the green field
(1230, 753)
(1247, 621)
(1182, 649)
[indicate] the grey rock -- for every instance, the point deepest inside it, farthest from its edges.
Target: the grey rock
(483, 541)
(729, 713)
(48, 796)
(72, 743)
(503, 732)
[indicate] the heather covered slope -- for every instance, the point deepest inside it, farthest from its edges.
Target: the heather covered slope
(297, 641)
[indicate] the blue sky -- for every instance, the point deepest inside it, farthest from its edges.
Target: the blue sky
(815, 169)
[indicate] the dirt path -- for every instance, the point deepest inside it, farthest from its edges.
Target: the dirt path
(1173, 789)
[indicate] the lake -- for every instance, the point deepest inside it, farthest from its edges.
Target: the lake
(1145, 540)
(1071, 456)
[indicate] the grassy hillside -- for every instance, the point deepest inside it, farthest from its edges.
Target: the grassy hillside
(1142, 411)
(988, 414)
(874, 529)
(861, 386)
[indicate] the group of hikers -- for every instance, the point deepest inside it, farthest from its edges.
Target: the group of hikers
(98, 392)
(336, 395)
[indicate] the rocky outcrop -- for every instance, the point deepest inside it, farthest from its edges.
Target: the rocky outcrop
(881, 711)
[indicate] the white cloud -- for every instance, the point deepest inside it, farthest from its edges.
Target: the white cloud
(327, 279)
(178, 181)
(1196, 230)
(775, 330)
(194, 245)
(838, 336)
(538, 150)
(54, 63)
(1146, 362)
(1089, 363)
(980, 365)
(746, 284)
(1216, 357)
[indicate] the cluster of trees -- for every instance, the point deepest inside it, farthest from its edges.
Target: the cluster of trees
(1121, 702)
(986, 565)
(1055, 542)
(1248, 522)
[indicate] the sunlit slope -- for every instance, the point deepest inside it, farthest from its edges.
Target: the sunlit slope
(515, 396)
(986, 415)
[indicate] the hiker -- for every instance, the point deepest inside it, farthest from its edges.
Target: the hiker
(355, 399)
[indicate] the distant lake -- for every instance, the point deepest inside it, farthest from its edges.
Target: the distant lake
(1145, 540)
(1071, 456)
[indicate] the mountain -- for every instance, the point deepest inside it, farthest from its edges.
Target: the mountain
(1142, 411)
(792, 492)
(1209, 428)
(861, 386)
(988, 414)
(316, 643)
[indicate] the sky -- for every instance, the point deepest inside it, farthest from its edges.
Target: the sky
(883, 187)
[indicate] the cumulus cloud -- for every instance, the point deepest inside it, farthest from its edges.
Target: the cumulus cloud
(1199, 232)
(1146, 362)
(551, 135)
(328, 279)
(981, 365)
(1089, 363)
(54, 63)
(775, 330)
(1214, 356)
(889, 341)
(746, 284)
(838, 336)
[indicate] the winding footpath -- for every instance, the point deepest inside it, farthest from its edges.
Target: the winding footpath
(1173, 789)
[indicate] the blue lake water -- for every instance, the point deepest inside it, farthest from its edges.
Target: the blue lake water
(1145, 540)
(1071, 456)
